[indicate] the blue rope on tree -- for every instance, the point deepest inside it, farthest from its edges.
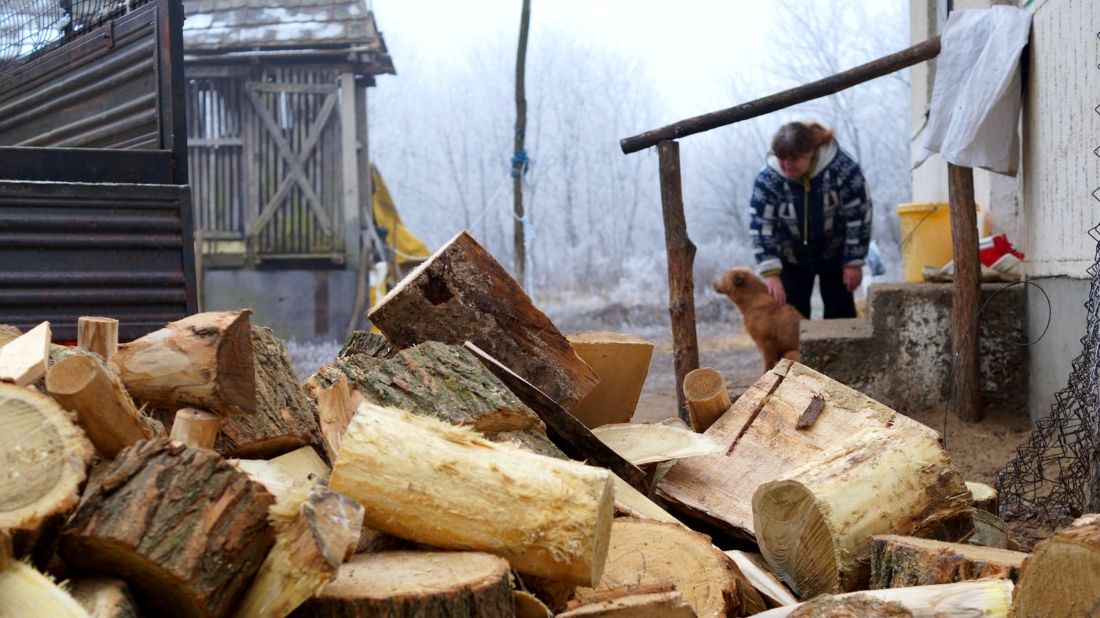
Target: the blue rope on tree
(520, 163)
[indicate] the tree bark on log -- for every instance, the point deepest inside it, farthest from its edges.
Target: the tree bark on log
(45, 459)
(706, 397)
(196, 428)
(203, 361)
(366, 342)
(26, 593)
(462, 294)
(434, 483)
(621, 362)
(24, 360)
(1062, 576)
(988, 598)
(416, 585)
(900, 561)
(814, 522)
(85, 385)
(184, 528)
(98, 335)
(103, 597)
(645, 552)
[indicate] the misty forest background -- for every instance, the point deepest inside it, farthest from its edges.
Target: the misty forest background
(442, 137)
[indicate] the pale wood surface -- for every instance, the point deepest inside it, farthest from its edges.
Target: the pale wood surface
(197, 428)
(900, 561)
(24, 359)
(26, 593)
(988, 598)
(643, 443)
(335, 407)
(761, 442)
(706, 397)
(654, 605)
(97, 334)
(1062, 576)
(305, 466)
(633, 503)
(103, 597)
(622, 363)
(985, 497)
(773, 591)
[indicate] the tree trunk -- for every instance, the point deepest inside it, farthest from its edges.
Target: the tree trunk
(196, 428)
(622, 363)
(1062, 576)
(519, 161)
(23, 360)
(98, 335)
(644, 552)
(462, 294)
(706, 396)
(415, 585)
(988, 598)
(45, 458)
(901, 561)
(184, 528)
(446, 487)
(653, 605)
(202, 361)
(103, 597)
(814, 521)
(308, 550)
(26, 593)
(87, 386)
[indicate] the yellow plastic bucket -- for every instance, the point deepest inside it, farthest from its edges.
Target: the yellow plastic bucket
(925, 237)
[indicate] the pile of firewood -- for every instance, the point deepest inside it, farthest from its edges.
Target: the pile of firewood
(474, 461)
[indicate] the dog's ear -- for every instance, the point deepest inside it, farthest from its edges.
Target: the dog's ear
(739, 279)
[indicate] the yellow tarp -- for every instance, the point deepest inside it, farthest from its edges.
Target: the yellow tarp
(408, 249)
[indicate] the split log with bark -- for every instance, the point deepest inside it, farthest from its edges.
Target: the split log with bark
(901, 561)
(462, 294)
(1062, 577)
(24, 360)
(621, 362)
(988, 598)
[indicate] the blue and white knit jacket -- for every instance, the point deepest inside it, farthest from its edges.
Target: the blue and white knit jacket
(839, 211)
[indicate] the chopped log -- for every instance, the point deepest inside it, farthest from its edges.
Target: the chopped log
(529, 606)
(774, 593)
(304, 466)
(462, 294)
(985, 497)
(901, 561)
(651, 552)
(988, 598)
(366, 342)
(23, 361)
(851, 606)
(653, 605)
(1062, 576)
(447, 487)
(621, 362)
(26, 593)
(415, 585)
(706, 397)
(202, 361)
(761, 442)
(103, 597)
(98, 335)
(335, 407)
(196, 428)
(45, 459)
(85, 385)
(633, 503)
(568, 433)
(285, 419)
(813, 522)
(989, 531)
(309, 548)
(170, 520)
(643, 443)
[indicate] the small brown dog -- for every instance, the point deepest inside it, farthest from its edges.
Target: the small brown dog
(772, 326)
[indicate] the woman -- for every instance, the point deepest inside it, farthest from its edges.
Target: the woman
(811, 218)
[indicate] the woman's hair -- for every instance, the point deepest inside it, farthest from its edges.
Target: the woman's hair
(797, 138)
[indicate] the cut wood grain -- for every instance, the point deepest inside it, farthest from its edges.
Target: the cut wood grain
(98, 335)
(462, 294)
(643, 443)
(1062, 576)
(26, 593)
(988, 598)
(901, 561)
(103, 597)
(196, 428)
(445, 486)
(774, 593)
(985, 497)
(621, 362)
(706, 397)
(335, 407)
(304, 466)
(23, 361)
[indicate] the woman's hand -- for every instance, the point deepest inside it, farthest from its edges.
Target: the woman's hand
(775, 288)
(853, 276)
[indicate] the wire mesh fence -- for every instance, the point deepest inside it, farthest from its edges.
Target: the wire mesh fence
(30, 27)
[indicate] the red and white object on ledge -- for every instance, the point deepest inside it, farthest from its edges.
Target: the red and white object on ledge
(997, 253)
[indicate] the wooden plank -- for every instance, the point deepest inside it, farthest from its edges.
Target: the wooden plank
(621, 362)
(23, 361)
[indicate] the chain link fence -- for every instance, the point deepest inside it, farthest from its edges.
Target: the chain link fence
(30, 27)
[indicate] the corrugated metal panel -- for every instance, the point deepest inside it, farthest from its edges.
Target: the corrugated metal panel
(101, 91)
(116, 250)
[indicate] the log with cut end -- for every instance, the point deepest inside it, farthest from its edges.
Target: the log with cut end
(196, 428)
(434, 483)
(985, 497)
(646, 552)
(643, 443)
(988, 598)
(203, 361)
(85, 384)
(652, 605)
(415, 585)
(186, 530)
(900, 561)
(23, 360)
(103, 597)
(706, 397)
(26, 593)
(814, 522)
(309, 548)
(462, 294)
(621, 362)
(1062, 576)
(45, 458)
(99, 335)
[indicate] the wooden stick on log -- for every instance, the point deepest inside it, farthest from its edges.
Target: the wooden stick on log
(84, 384)
(103, 597)
(434, 483)
(988, 598)
(203, 361)
(26, 593)
(965, 295)
(901, 561)
(706, 397)
(196, 428)
(1062, 576)
(308, 550)
(462, 294)
(622, 363)
(171, 519)
(99, 335)
(814, 522)
(24, 360)
(405, 584)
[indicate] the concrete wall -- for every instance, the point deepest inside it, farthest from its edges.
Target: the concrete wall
(303, 305)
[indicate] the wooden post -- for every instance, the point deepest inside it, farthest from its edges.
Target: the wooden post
(966, 293)
(519, 163)
(100, 335)
(681, 282)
